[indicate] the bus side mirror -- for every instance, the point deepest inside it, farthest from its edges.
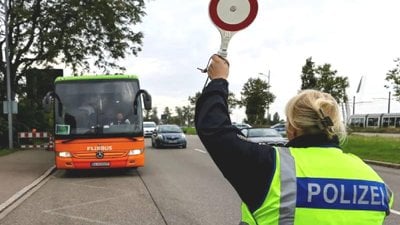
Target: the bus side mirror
(47, 100)
(146, 100)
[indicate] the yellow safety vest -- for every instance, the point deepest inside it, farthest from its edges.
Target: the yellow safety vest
(321, 186)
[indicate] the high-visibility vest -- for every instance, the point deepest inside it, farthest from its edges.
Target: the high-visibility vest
(321, 186)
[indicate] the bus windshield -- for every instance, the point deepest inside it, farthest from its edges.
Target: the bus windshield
(96, 108)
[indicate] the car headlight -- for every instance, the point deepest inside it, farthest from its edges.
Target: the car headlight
(159, 136)
(135, 152)
(183, 135)
(65, 154)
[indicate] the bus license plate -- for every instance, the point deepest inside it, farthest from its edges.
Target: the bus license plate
(100, 164)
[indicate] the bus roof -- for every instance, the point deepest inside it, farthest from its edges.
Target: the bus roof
(96, 77)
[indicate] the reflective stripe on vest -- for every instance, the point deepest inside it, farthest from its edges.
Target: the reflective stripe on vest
(312, 193)
(288, 187)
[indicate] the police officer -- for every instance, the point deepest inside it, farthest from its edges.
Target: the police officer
(311, 181)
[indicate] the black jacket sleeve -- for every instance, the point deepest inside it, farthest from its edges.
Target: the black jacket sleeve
(248, 166)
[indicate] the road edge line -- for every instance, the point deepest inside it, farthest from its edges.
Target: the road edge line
(24, 190)
(200, 150)
(395, 212)
(385, 164)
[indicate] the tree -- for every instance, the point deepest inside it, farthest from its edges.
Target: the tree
(255, 97)
(393, 77)
(323, 78)
(147, 114)
(46, 32)
(276, 119)
(167, 115)
(154, 115)
(308, 79)
(43, 33)
(330, 83)
(232, 101)
(179, 118)
(188, 115)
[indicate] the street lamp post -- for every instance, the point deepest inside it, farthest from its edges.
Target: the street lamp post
(7, 55)
(389, 102)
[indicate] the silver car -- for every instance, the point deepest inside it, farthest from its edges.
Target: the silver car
(264, 135)
(148, 128)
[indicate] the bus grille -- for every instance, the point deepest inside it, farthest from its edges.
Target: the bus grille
(92, 155)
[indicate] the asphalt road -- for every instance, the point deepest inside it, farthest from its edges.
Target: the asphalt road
(177, 186)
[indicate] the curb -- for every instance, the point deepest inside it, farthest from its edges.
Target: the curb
(24, 190)
(385, 164)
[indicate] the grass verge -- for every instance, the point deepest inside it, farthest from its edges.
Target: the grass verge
(374, 148)
(4, 152)
(190, 130)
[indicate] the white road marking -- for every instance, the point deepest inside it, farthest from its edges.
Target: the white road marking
(199, 150)
(80, 218)
(84, 203)
(395, 212)
(24, 190)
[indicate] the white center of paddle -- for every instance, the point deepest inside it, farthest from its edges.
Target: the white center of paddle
(233, 11)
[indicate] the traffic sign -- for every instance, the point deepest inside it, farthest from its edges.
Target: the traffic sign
(230, 16)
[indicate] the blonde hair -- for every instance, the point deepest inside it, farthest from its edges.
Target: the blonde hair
(307, 110)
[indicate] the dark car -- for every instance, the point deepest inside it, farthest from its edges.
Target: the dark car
(264, 135)
(168, 135)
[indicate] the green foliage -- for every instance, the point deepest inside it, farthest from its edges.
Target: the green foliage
(188, 114)
(374, 130)
(179, 118)
(323, 78)
(232, 101)
(4, 152)
(154, 115)
(256, 98)
(3, 129)
(308, 79)
(147, 115)
(167, 115)
(393, 77)
(51, 32)
(276, 119)
(31, 115)
(189, 130)
(47, 32)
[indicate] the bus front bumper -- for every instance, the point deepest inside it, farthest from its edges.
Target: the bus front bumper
(74, 163)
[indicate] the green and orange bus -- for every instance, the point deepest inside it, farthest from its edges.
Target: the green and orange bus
(86, 133)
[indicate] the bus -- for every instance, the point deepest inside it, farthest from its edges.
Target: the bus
(381, 120)
(86, 132)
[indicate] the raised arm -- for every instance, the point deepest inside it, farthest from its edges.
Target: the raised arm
(247, 166)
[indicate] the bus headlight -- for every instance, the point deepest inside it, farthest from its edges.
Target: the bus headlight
(65, 154)
(135, 152)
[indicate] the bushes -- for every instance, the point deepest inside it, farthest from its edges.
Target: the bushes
(374, 130)
(189, 130)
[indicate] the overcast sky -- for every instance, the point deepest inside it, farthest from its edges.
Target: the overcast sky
(357, 37)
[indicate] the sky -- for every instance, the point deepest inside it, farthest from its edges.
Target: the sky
(357, 37)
